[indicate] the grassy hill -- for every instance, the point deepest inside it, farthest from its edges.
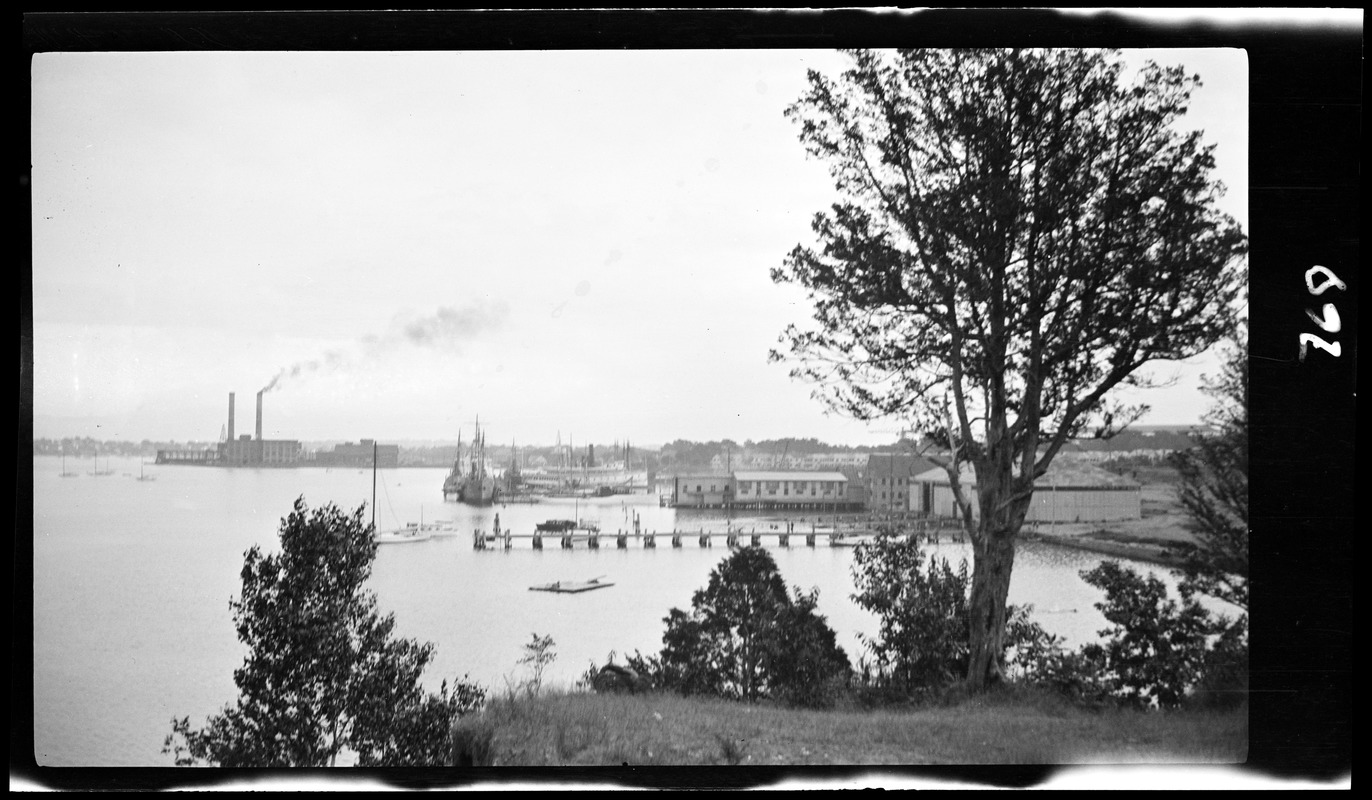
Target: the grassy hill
(1008, 726)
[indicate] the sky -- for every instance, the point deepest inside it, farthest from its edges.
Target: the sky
(561, 244)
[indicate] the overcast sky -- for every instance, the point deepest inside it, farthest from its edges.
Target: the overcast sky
(574, 243)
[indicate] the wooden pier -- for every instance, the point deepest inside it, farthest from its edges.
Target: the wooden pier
(934, 532)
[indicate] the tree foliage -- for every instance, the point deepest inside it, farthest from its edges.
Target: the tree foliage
(1017, 233)
(922, 608)
(1155, 649)
(746, 638)
(1213, 484)
(921, 604)
(324, 670)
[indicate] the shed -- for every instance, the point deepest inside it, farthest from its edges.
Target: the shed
(1071, 491)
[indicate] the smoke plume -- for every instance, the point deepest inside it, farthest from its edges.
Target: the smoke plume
(448, 329)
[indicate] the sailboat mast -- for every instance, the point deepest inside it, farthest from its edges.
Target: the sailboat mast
(373, 485)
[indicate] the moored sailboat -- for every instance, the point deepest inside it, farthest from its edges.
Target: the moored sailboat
(409, 534)
(474, 485)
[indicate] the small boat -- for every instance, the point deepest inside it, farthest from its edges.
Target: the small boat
(64, 472)
(556, 526)
(435, 527)
(410, 533)
(571, 587)
(442, 527)
(403, 536)
(97, 470)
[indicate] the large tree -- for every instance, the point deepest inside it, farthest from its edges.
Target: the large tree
(1017, 233)
(323, 670)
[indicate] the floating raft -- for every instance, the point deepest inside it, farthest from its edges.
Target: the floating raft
(570, 587)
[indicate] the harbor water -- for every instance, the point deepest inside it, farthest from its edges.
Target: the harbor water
(132, 581)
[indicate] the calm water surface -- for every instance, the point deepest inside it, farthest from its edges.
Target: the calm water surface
(132, 582)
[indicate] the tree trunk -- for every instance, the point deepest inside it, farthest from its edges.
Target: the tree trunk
(994, 559)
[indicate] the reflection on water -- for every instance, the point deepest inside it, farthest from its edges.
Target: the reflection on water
(132, 582)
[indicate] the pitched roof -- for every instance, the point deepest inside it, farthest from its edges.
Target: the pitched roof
(886, 465)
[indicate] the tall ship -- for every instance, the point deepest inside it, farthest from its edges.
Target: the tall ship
(472, 483)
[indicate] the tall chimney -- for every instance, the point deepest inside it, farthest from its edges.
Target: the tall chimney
(231, 416)
(259, 415)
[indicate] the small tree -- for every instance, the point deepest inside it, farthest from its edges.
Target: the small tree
(323, 671)
(538, 654)
(922, 608)
(746, 638)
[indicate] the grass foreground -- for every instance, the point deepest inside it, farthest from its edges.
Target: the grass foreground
(1008, 726)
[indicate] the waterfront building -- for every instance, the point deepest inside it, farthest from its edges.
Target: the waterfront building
(348, 454)
(800, 489)
(890, 480)
(1071, 491)
(703, 490)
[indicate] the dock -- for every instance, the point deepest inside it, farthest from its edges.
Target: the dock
(933, 532)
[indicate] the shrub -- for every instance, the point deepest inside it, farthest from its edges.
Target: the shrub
(745, 638)
(1156, 648)
(1224, 671)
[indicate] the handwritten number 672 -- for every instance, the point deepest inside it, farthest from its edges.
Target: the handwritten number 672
(1328, 319)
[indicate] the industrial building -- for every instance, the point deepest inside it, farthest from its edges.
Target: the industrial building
(1071, 491)
(890, 479)
(359, 455)
(243, 451)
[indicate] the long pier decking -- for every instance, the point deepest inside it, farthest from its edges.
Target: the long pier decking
(935, 531)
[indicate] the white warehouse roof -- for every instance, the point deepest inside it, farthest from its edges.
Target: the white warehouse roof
(790, 476)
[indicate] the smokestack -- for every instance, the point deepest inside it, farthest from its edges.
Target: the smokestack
(259, 415)
(230, 416)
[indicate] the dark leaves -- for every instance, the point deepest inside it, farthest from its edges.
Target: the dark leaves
(323, 671)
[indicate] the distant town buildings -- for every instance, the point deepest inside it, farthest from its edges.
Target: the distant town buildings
(1075, 489)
